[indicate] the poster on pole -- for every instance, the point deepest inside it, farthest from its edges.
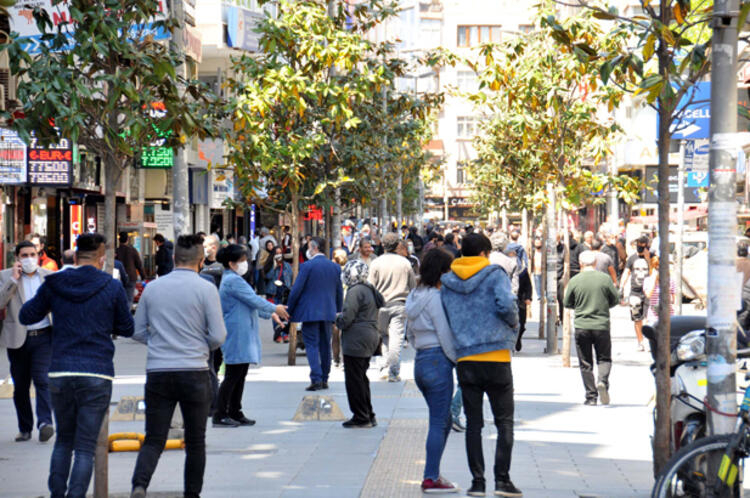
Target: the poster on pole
(12, 158)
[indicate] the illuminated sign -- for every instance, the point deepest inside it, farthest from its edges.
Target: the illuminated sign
(51, 165)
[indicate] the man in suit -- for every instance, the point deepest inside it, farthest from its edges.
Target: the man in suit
(29, 348)
(315, 299)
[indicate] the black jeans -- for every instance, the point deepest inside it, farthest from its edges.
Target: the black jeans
(192, 390)
(521, 319)
(358, 387)
(31, 362)
(230, 392)
(496, 380)
(602, 343)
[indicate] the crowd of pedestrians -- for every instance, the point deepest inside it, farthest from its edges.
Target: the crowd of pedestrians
(459, 297)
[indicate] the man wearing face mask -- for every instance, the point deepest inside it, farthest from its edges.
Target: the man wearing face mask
(29, 347)
(88, 307)
(637, 269)
(211, 267)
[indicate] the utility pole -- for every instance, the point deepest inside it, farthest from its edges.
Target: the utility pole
(679, 249)
(723, 286)
(180, 183)
(551, 270)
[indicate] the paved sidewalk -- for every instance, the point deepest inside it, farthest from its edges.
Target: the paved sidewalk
(562, 448)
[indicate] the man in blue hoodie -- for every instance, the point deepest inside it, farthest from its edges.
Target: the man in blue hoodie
(483, 316)
(87, 306)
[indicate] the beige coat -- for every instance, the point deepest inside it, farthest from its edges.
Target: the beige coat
(13, 334)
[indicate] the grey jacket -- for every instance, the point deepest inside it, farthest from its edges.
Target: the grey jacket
(427, 326)
(358, 321)
(179, 318)
(13, 334)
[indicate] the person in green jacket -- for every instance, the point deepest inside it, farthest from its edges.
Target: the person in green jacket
(592, 294)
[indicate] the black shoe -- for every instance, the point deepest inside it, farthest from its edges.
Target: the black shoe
(23, 436)
(356, 424)
(324, 385)
(373, 420)
(476, 489)
(46, 431)
(315, 386)
(506, 488)
(225, 422)
(518, 345)
(243, 420)
(590, 402)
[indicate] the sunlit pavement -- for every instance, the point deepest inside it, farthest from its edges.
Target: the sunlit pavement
(562, 448)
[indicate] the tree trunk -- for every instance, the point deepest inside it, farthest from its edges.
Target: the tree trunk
(113, 172)
(663, 388)
(336, 220)
(543, 293)
(551, 270)
(567, 325)
(292, 355)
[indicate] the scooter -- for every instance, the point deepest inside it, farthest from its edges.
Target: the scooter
(688, 375)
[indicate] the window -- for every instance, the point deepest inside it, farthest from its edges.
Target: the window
(525, 28)
(466, 127)
(467, 81)
(429, 32)
(460, 172)
(470, 36)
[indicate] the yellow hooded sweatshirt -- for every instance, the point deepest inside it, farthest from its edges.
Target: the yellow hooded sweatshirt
(466, 268)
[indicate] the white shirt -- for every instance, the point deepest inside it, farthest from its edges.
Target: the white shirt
(31, 284)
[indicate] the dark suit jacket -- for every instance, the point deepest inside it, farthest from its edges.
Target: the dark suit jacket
(317, 294)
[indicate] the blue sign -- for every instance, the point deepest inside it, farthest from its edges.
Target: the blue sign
(241, 24)
(252, 219)
(694, 117)
(696, 154)
(697, 179)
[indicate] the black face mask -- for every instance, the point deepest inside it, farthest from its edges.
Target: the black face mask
(640, 249)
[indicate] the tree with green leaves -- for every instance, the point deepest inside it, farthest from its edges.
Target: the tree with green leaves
(102, 81)
(542, 139)
(658, 54)
(308, 111)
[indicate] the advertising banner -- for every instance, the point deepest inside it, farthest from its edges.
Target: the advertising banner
(22, 21)
(76, 223)
(240, 25)
(12, 158)
(51, 165)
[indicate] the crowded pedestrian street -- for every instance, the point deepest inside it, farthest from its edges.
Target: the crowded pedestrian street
(562, 448)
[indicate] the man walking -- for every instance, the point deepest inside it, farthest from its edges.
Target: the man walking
(637, 269)
(29, 347)
(393, 277)
(131, 260)
(164, 255)
(88, 306)
(483, 316)
(591, 293)
(179, 318)
(603, 262)
(315, 299)
(212, 268)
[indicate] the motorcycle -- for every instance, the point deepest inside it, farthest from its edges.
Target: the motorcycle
(688, 375)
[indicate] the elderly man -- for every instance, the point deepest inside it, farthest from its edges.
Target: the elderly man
(591, 293)
(211, 267)
(393, 277)
(498, 257)
(316, 297)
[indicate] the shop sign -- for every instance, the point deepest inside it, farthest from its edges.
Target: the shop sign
(314, 213)
(241, 23)
(22, 21)
(164, 219)
(222, 188)
(50, 165)
(12, 158)
(650, 196)
(76, 223)
(156, 155)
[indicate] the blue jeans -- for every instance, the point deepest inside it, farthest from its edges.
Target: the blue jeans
(538, 286)
(457, 404)
(433, 373)
(80, 404)
(317, 339)
(31, 362)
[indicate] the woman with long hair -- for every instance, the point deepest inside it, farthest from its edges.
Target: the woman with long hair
(429, 333)
(241, 307)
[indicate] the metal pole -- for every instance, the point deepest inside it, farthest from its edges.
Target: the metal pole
(400, 201)
(679, 250)
(551, 271)
(723, 285)
(180, 199)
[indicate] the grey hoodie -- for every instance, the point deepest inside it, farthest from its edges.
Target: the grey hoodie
(427, 326)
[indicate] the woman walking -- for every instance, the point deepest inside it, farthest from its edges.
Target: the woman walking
(359, 336)
(241, 307)
(428, 331)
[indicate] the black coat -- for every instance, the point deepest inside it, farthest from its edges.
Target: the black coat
(359, 321)
(164, 258)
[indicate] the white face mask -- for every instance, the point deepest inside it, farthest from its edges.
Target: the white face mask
(241, 268)
(206, 252)
(29, 265)
(308, 254)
